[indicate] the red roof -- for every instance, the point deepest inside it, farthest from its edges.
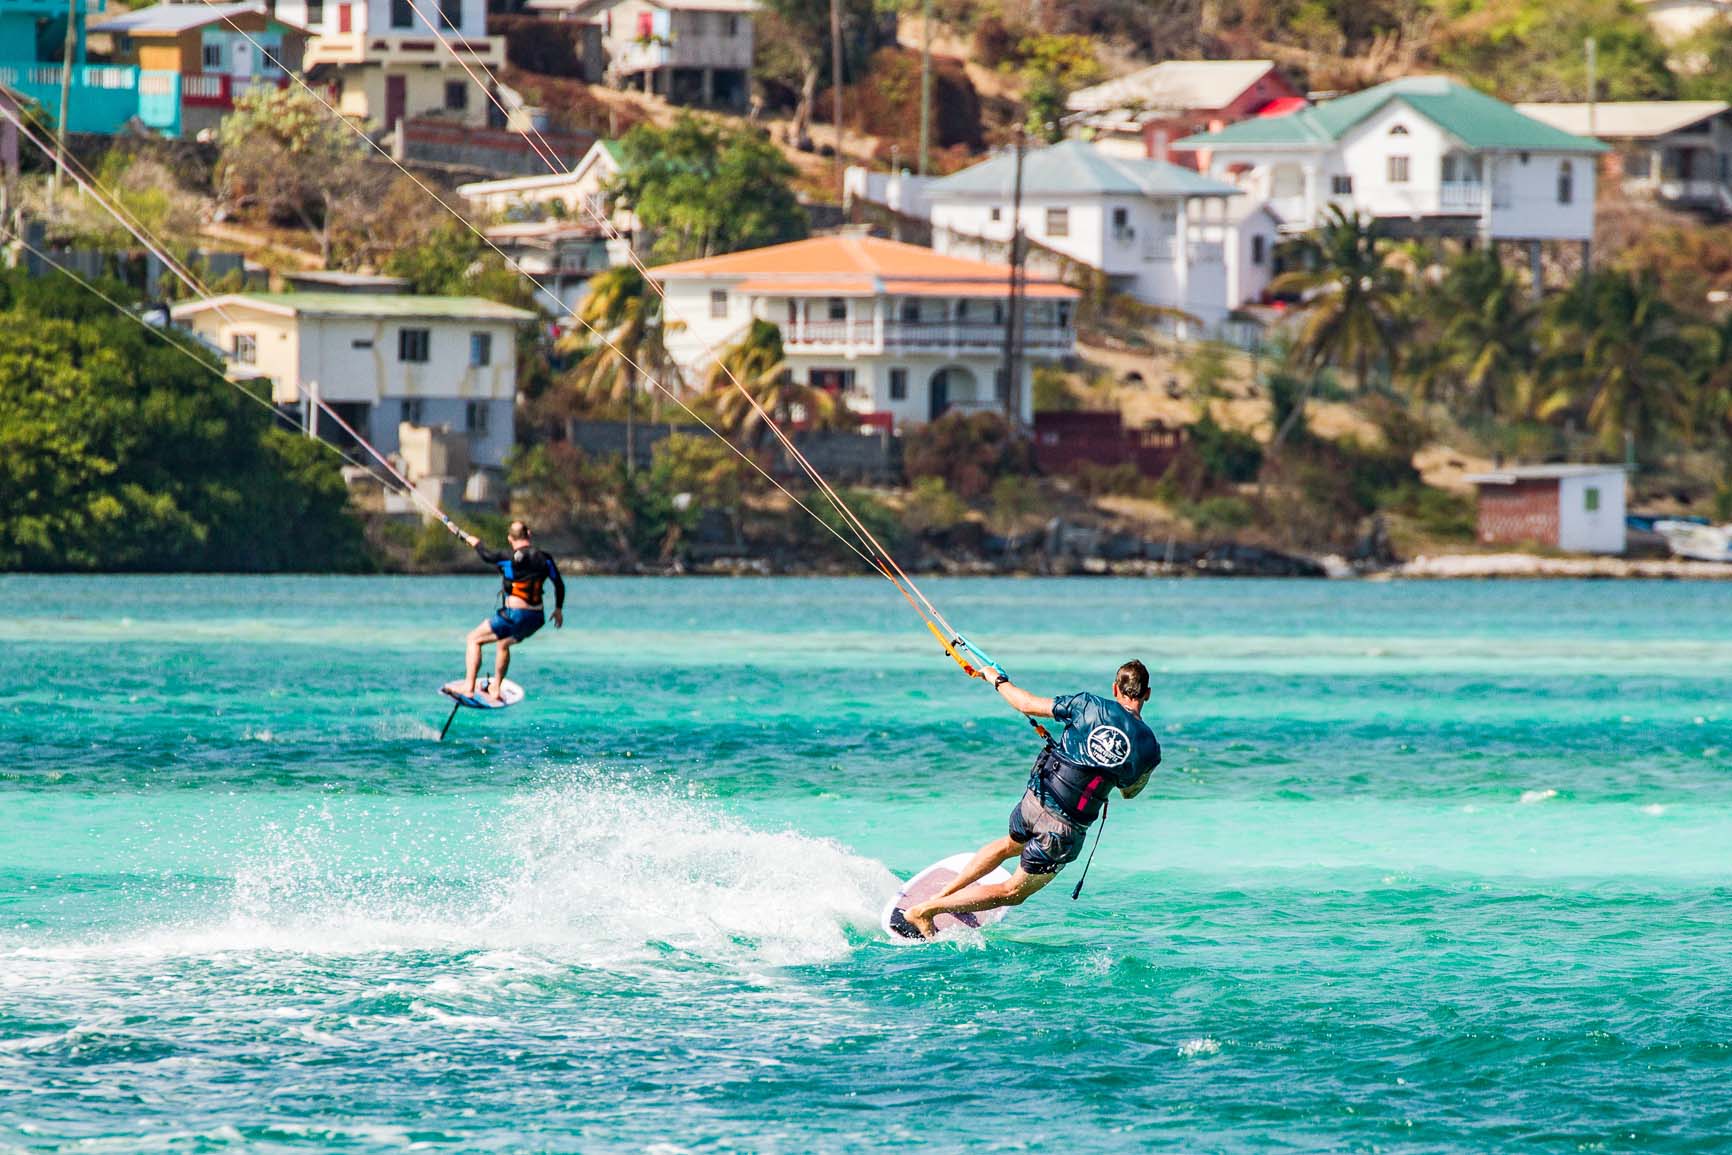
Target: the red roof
(1282, 106)
(859, 266)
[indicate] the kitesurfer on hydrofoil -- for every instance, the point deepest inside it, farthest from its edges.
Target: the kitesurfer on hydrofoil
(1105, 744)
(525, 570)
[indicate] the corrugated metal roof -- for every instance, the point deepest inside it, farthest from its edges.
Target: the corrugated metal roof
(1077, 168)
(1517, 473)
(1477, 120)
(845, 266)
(173, 18)
(385, 305)
(1626, 119)
(1174, 86)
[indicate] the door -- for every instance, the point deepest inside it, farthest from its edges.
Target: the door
(396, 98)
(940, 389)
(345, 18)
(243, 58)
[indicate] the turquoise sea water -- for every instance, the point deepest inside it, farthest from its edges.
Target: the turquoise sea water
(1427, 868)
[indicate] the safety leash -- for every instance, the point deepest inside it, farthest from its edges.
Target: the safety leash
(1101, 829)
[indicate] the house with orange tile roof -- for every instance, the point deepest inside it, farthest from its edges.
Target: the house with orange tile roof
(902, 333)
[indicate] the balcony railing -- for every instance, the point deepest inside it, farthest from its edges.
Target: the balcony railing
(219, 91)
(1461, 196)
(867, 336)
(402, 47)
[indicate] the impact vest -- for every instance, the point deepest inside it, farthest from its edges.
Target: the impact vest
(525, 572)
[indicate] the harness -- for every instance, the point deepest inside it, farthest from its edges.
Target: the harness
(525, 572)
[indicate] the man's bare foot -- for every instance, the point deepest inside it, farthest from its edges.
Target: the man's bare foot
(920, 921)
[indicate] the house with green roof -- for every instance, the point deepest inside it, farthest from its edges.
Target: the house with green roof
(1164, 234)
(384, 362)
(1427, 156)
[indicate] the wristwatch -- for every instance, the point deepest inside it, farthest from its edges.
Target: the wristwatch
(998, 682)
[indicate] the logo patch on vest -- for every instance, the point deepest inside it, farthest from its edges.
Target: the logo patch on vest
(1108, 746)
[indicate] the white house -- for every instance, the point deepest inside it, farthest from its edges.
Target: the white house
(1579, 508)
(380, 361)
(579, 195)
(1161, 233)
(386, 62)
(560, 256)
(1677, 20)
(1675, 152)
(690, 51)
(902, 333)
(1424, 155)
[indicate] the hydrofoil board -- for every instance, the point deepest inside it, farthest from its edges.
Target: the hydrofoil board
(510, 693)
(928, 883)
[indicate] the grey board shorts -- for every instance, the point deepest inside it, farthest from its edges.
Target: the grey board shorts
(1048, 840)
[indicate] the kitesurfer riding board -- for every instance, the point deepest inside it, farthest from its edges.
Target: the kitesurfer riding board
(524, 570)
(1105, 744)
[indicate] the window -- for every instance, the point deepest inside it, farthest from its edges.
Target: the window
(1058, 222)
(1063, 314)
(1398, 170)
(480, 350)
(475, 417)
(315, 13)
(361, 343)
(1591, 499)
(1637, 164)
(1398, 130)
(838, 309)
(1121, 219)
(450, 15)
(1341, 185)
(911, 311)
(718, 303)
(456, 95)
(402, 15)
(409, 413)
(898, 384)
(246, 349)
(413, 345)
(1567, 190)
(1258, 246)
(733, 25)
(995, 214)
(213, 57)
(999, 388)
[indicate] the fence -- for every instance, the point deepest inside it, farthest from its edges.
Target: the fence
(873, 458)
(492, 149)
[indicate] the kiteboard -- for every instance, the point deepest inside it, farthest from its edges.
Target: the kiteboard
(510, 693)
(928, 883)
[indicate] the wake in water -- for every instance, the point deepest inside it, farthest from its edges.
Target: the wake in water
(585, 869)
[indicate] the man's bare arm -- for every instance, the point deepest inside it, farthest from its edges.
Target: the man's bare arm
(1023, 701)
(1136, 788)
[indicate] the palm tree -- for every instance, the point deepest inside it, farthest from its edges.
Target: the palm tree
(1622, 356)
(623, 343)
(757, 366)
(1352, 296)
(1483, 349)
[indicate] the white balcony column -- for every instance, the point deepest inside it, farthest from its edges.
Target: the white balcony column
(1310, 171)
(879, 305)
(1182, 248)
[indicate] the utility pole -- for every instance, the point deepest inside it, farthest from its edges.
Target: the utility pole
(836, 83)
(65, 93)
(1593, 61)
(1013, 309)
(925, 82)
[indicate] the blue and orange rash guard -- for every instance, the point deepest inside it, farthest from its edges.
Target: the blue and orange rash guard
(1103, 745)
(525, 571)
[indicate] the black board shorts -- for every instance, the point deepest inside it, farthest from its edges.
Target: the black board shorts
(1048, 840)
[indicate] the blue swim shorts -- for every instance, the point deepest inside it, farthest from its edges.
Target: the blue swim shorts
(515, 624)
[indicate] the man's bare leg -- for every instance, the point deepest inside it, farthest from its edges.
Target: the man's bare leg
(501, 663)
(981, 896)
(993, 854)
(478, 637)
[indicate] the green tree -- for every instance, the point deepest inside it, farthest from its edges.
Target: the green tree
(701, 191)
(612, 368)
(794, 49)
(117, 452)
(1532, 49)
(1479, 351)
(1052, 68)
(766, 386)
(1352, 297)
(1622, 357)
(282, 152)
(452, 261)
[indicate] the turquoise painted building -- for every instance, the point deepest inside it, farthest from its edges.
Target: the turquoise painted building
(34, 31)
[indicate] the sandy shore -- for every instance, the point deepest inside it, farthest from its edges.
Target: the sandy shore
(1521, 565)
